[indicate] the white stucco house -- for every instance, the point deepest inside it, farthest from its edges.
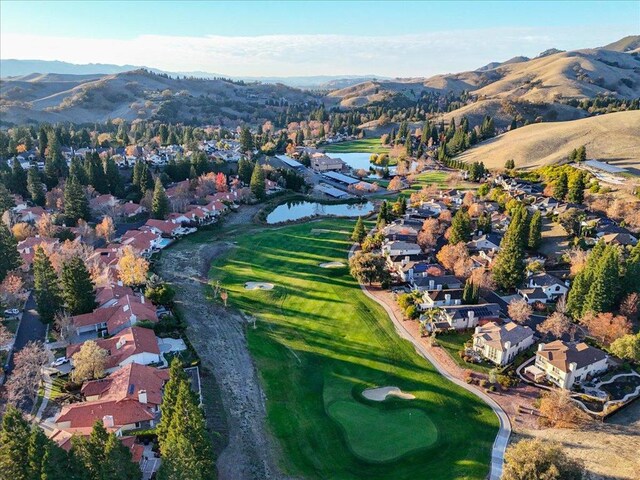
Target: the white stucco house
(567, 364)
(500, 343)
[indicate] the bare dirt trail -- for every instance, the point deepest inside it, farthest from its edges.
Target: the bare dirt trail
(217, 334)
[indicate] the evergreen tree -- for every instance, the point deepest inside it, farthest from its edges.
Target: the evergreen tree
(35, 187)
(631, 282)
(186, 450)
(18, 184)
(43, 141)
(77, 287)
(14, 437)
(561, 187)
(582, 281)
(604, 288)
(246, 140)
(76, 205)
(359, 232)
(10, 258)
(114, 180)
(535, 231)
(510, 164)
(46, 287)
(257, 184)
(6, 200)
(408, 145)
(460, 227)
(160, 203)
(117, 462)
(55, 165)
(245, 169)
(176, 377)
(581, 154)
(484, 223)
(509, 266)
(470, 293)
(77, 169)
(576, 189)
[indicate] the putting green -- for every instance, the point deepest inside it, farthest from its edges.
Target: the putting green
(378, 435)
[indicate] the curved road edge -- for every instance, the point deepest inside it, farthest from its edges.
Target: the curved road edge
(504, 432)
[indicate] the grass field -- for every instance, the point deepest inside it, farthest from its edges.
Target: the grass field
(319, 342)
(368, 145)
(453, 343)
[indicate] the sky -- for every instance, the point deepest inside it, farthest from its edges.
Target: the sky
(288, 38)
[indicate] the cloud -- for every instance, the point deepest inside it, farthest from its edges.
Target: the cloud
(290, 55)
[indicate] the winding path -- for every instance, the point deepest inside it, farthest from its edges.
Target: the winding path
(502, 439)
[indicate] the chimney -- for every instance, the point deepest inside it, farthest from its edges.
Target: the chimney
(142, 396)
(507, 345)
(431, 284)
(477, 330)
(107, 420)
(540, 347)
(447, 298)
(573, 366)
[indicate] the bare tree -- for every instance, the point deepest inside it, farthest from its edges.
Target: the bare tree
(63, 325)
(557, 324)
(5, 336)
(558, 410)
(629, 306)
(607, 327)
(519, 310)
(27, 373)
(428, 236)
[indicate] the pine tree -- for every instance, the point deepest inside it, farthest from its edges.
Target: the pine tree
(359, 232)
(76, 205)
(77, 287)
(582, 282)
(14, 437)
(10, 258)
(186, 450)
(535, 231)
(6, 200)
(176, 377)
(246, 140)
(561, 186)
(581, 154)
(18, 184)
(484, 223)
(245, 169)
(408, 145)
(77, 169)
(114, 180)
(604, 288)
(509, 266)
(55, 166)
(35, 187)
(117, 462)
(460, 228)
(47, 289)
(470, 293)
(257, 184)
(576, 189)
(631, 282)
(160, 202)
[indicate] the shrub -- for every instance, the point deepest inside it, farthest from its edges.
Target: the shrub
(483, 383)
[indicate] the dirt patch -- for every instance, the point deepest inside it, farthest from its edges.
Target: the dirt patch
(217, 334)
(331, 265)
(380, 394)
(258, 286)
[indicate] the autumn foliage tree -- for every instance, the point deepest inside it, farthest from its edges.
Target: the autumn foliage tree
(26, 376)
(539, 459)
(132, 268)
(557, 410)
(106, 229)
(519, 310)
(429, 234)
(606, 327)
(88, 362)
(557, 324)
(455, 258)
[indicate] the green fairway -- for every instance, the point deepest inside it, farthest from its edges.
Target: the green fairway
(368, 145)
(319, 342)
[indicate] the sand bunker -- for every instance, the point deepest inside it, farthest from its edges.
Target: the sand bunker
(258, 286)
(332, 265)
(381, 393)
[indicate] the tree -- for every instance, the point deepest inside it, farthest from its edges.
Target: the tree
(606, 327)
(429, 234)
(368, 268)
(455, 258)
(14, 435)
(576, 189)
(510, 164)
(77, 287)
(6, 200)
(160, 203)
(114, 181)
(581, 153)
(246, 140)
(10, 258)
(176, 377)
(383, 215)
(539, 459)
(26, 376)
(47, 288)
(535, 231)
(519, 310)
(76, 205)
(359, 232)
(470, 293)
(18, 183)
(557, 410)
(118, 463)
(605, 284)
(88, 362)
(561, 186)
(557, 324)
(106, 229)
(35, 187)
(629, 306)
(132, 268)
(257, 184)
(460, 228)
(185, 448)
(508, 268)
(395, 184)
(221, 182)
(627, 347)
(583, 279)
(245, 170)
(55, 165)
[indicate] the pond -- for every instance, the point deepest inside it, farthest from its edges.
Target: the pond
(297, 210)
(361, 160)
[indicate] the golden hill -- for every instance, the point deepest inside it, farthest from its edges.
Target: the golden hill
(612, 138)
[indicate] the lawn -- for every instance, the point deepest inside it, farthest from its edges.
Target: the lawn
(454, 343)
(319, 342)
(368, 145)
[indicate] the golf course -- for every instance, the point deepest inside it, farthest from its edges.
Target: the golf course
(318, 343)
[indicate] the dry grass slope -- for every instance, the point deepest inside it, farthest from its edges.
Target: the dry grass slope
(611, 138)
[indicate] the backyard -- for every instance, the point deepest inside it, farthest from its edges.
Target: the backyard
(318, 343)
(453, 343)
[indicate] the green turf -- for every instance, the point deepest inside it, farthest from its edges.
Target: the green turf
(453, 343)
(320, 342)
(368, 145)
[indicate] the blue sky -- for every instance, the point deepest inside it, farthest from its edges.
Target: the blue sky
(306, 38)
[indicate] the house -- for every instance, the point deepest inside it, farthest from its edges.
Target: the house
(500, 343)
(271, 187)
(488, 242)
(132, 345)
(533, 295)
(30, 214)
(127, 399)
(462, 317)
(131, 209)
(323, 163)
(546, 204)
(552, 286)
(142, 242)
(102, 202)
(410, 270)
(395, 248)
(162, 227)
(401, 232)
(442, 298)
(115, 316)
(430, 209)
(27, 248)
(435, 282)
(619, 238)
(566, 364)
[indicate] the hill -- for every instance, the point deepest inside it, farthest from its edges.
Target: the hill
(626, 44)
(140, 94)
(611, 138)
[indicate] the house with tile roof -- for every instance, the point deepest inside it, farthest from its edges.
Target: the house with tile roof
(567, 364)
(115, 316)
(501, 343)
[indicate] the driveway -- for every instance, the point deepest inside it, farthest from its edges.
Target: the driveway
(31, 329)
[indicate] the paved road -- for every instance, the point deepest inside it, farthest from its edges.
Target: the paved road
(502, 439)
(31, 328)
